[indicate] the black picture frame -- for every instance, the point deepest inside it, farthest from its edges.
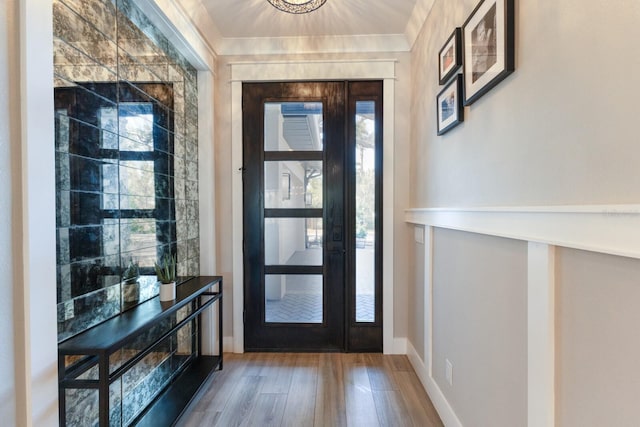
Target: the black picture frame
(450, 56)
(449, 105)
(489, 47)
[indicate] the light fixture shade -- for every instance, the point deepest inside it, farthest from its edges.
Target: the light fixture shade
(297, 6)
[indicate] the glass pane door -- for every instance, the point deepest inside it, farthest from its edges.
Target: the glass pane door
(311, 216)
(294, 146)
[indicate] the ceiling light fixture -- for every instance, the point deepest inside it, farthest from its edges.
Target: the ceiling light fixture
(297, 6)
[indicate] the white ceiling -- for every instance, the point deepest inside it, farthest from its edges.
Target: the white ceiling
(257, 18)
(236, 27)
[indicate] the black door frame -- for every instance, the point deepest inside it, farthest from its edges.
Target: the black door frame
(339, 244)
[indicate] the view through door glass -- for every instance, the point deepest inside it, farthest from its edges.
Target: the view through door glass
(306, 209)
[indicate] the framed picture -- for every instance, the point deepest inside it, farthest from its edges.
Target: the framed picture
(488, 36)
(450, 57)
(450, 109)
(285, 185)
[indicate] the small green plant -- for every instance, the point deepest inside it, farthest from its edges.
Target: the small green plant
(166, 270)
(131, 273)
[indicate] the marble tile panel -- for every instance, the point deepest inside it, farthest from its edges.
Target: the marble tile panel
(179, 125)
(192, 210)
(93, 242)
(191, 93)
(62, 131)
(63, 208)
(181, 209)
(63, 173)
(182, 250)
(193, 246)
(86, 174)
(89, 310)
(134, 20)
(192, 150)
(64, 280)
(146, 390)
(130, 68)
(180, 192)
(179, 169)
(179, 145)
(192, 190)
(81, 407)
(94, 275)
(89, 125)
(190, 75)
(193, 266)
(85, 208)
(88, 140)
(137, 179)
(176, 75)
(138, 47)
(84, 37)
(182, 230)
(183, 269)
(194, 230)
(99, 13)
(192, 171)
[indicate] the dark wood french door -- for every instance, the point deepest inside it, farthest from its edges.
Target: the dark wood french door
(312, 224)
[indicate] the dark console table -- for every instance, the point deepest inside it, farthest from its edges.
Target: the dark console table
(95, 359)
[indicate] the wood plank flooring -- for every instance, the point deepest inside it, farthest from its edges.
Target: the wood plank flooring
(309, 389)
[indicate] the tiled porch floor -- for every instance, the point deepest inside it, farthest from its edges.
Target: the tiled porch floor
(307, 308)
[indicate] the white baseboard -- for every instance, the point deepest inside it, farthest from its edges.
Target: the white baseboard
(447, 415)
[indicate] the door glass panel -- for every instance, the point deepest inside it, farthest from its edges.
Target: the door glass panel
(293, 241)
(293, 184)
(293, 298)
(365, 211)
(293, 126)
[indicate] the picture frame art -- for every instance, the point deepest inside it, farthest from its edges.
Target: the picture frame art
(450, 108)
(488, 37)
(450, 56)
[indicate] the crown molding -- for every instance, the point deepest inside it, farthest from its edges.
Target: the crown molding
(178, 26)
(307, 45)
(419, 16)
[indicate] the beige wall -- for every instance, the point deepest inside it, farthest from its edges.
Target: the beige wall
(224, 172)
(559, 131)
(480, 319)
(8, 15)
(598, 346)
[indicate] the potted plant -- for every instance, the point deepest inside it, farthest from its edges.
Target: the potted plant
(131, 287)
(166, 272)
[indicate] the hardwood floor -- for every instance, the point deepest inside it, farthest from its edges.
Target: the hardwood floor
(322, 390)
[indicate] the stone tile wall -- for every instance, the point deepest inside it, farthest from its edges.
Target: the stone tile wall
(126, 188)
(126, 158)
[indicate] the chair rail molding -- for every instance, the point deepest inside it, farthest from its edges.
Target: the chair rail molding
(608, 229)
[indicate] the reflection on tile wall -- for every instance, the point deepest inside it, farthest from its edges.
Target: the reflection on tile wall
(126, 158)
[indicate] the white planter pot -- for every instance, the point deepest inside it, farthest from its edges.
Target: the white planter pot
(167, 291)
